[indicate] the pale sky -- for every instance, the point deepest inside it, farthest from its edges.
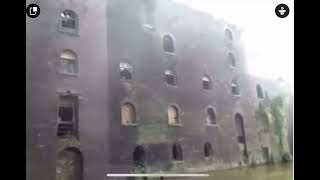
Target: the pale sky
(267, 39)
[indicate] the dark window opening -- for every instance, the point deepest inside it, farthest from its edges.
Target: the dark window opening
(206, 82)
(168, 44)
(67, 116)
(170, 77)
(259, 91)
(69, 165)
(232, 60)
(211, 116)
(208, 151)
(241, 134)
(69, 19)
(66, 113)
(235, 87)
(173, 115)
(126, 71)
(265, 153)
(177, 152)
(139, 156)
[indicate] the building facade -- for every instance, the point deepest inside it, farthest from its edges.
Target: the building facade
(118, 84)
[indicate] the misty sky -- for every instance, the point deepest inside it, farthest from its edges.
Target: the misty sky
(267, 39)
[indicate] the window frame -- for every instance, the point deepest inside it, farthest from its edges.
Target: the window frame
(173, 43)
(75, 65)
(66, 30)
(135, 114)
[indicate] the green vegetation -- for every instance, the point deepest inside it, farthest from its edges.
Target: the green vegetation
(273, 114)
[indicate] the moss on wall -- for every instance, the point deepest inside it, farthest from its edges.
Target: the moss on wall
(274, 113)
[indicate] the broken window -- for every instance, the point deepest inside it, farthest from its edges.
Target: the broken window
(177, 152)
(128, 114)
(208, 151)
(69, 19)
(139, 156)
(228, 34)
(211, 116)
(67, 115)
(170, 77)
(168, 44)
(68, 62)
(173, 115)
(259, 91)
(235, 87)
(232, 60)
(206, 82)
(126, 71)
(69, 165)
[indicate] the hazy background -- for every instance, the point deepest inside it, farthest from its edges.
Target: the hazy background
(268, 39)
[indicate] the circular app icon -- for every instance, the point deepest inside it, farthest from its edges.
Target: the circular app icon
(33, 10)
(282, 10)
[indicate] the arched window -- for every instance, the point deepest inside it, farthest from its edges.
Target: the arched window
(126, 71)
(259, 91)
(211, 116)
(128, 114)
(240, 127)
(171, 77)
(139, 156)
(228, 34)
(168, 43)
(177, 152)
(68, 62)
(69, 20)
(235, 90)
(69, 164)
(208, 151)
(206, 82)
(173, 115)
(232, 60)
(241, 134)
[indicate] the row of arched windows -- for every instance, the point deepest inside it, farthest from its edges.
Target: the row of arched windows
(139, 153)
(128, 115)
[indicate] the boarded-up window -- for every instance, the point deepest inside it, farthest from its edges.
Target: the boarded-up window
(168, 44)
(173, 115)
(67, 115)
(126, 71)
(211, 116)
(68, 62)
(128, 114)
(170, 77)
(206, 82)
(69, 19)
(69, 165)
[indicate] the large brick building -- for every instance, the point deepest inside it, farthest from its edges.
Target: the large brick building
(116, 84)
